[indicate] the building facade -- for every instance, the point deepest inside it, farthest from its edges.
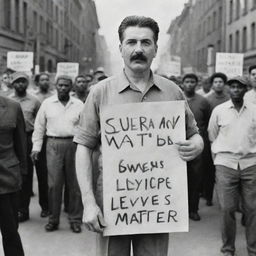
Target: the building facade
(241, 30)
(55, 30)
(206, 27)
(197, 34)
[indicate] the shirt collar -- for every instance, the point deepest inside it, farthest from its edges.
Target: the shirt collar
(231, 105)
(55, 99)
(124, 83)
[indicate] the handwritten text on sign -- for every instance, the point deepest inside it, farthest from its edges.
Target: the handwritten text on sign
(230, 64)
(144, 179)
(20, 61)
(68, 68)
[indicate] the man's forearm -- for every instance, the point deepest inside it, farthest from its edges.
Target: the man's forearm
(84, 173)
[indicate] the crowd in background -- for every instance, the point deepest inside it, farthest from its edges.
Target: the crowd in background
(51, 112)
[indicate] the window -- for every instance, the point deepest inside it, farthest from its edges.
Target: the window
(230, 11)
(7, 13)
(230, 43)
(237, 41)
(244, 39)
(245, 7)
(35, 22)
(25, 18)
(17, 15)
(219, 46)
(209, 25)
(238, 6)
(253, 35)
(214, 21)
(253, 4)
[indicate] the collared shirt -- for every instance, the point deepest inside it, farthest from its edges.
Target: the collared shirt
(30, 106)
(55, 119)
(214, 99)
(118, 90)
(233, 135)
(250, 96)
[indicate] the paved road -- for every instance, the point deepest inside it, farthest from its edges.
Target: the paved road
(202, 240)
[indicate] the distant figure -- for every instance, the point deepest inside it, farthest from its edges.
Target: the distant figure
(250, 96)
(218, 94)
(44, 91)
(30, 106)
(201, 110)
(57, 118)
(231, 131)
(6, 85)
(13, 157)
(81, 88)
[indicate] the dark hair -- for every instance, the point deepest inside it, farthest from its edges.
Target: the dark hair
(79, 76)
(37, 77)
(251, 68)
(190, 75)
(138, 21)
(219, 75)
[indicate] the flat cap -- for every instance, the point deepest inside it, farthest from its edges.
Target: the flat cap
(238, 79)
(15, 76)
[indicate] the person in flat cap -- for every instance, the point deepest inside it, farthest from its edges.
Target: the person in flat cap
(57, 118)
(30, 106)
(232, 132)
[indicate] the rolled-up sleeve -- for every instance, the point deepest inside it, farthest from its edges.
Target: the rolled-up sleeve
(88, 130)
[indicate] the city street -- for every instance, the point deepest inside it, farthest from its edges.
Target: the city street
(203, 238)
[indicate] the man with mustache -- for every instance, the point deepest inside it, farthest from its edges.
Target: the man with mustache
(136, 83)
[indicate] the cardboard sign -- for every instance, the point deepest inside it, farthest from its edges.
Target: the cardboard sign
(230, 64)
(20, 61)
(68, 68)
(144, 178)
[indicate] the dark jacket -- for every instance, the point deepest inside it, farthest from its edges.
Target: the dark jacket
(12, 146)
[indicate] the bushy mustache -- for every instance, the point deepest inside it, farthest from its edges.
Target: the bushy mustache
(139, 56)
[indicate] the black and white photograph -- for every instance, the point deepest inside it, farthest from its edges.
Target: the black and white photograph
(127, 128)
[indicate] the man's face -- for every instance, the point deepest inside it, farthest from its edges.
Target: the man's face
(81, 84)
(189, 85)
(138, 48)
(252, 77)
(63, 87)
(237, 91)
(44, 82)
(6, 79)
(218, 85)
(20, 85)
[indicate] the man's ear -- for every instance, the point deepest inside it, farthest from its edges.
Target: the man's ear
(120, 47)
(156, 48)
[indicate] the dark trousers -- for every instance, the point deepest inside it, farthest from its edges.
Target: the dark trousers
(194, 170)
(27, 185)
(9, 224)
(233, 186)
(208, 171)
(61, 168)
(142, 245)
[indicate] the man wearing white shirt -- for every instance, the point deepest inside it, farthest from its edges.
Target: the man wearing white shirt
(251, 95)
(57, 118)
(232, 133)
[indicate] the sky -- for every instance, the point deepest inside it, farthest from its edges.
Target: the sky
(112, 12)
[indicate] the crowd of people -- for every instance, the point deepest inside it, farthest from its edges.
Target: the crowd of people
(55, 131)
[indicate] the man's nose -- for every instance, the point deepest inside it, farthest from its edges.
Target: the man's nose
(138, 47)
